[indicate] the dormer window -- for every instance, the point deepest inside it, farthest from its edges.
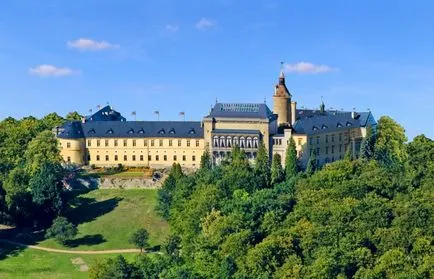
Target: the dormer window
(172, 131)
(339, 125)
(91, 131)
(141, 131)
(192, 132)
(130, 131)
(324, 127)
(349, 124)
(315, 128)
(162, 131)
(110, 131)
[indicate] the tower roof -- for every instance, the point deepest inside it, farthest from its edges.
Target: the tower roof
(281, 90)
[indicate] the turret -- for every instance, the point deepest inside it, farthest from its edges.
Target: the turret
(282, 102)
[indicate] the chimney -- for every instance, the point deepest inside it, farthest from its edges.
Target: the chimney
(293, 112)
(83, 120)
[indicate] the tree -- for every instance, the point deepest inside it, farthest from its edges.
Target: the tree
(52, 120)
(61, 230)
(262, 167)
(42, 149)
(74, 116)
(311, 164)
(390, 142)
(205, 160)
(368, 145)
(291, 160)
(117, 268)
(277, 173)
(140, 239)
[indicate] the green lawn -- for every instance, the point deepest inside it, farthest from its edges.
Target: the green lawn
(31, 263)
(107, 217)
(127, 174)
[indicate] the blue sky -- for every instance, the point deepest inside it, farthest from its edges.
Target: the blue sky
(174, 56)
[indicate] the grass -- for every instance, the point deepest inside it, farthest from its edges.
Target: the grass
(127, 174)
(31, 264)
(106, 218)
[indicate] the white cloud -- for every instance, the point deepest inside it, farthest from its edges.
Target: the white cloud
(172, 28)
(89, 44)
(205, 23)
(51, 71)
(308, 68)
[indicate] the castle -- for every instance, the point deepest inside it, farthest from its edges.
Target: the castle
(106, 138)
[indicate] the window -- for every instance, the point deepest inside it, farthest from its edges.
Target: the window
(340, 147)
(141, 157)
(327, 150)
(333, 149)
(106, 143)
(340, 137)
(317, 140)
(333, 138)
(193, 158)
(170, 142)
(157, 157)
(116, 143)
(183, 157)
(68, 145)
(107, 157)
(89, 143)
(125, 157)
(327, 138)
(197, 143)
(317, 152)
(179, 142)
(188, 143)
(216, 141)
(160, 142)
(174, 158)
(299, 142)
(97, 157)
(134, 157)
(310, 141)
(152, 142)
(149, 157)
(98, 142)
(69, 159)
(165, 157)
(116, 157)
(125, 142)
(134, 142)
(145, 142)
(88, 158)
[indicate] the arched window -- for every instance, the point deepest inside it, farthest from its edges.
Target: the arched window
(222, 142)
(255, 142)
(216, 141)
(249, 142)
(228, 141)
(242, 142)
(236, 142)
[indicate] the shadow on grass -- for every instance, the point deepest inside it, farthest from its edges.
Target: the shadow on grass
(88, 209)
(88, 240)
(7, 249)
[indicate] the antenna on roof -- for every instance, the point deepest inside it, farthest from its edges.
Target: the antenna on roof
(133, 113)
(182, 114)
(216, 101)
(265, 100)
(158, 115)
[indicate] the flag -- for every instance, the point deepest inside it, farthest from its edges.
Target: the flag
(156, 112)
(133, 113)
(182, 113)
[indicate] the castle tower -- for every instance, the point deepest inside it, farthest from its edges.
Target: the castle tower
(282, 102)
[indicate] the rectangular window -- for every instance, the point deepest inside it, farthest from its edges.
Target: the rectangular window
(333, 138)
(149, 157)
(299, 142)
(106, 143)
(165, 157)
(193, 158)
(116, 142)
(174, 157)
(69, 159)
(170, 142)
(145, 142)
(183, 157)
(157, 157)
(333, 149)
(340, 137)
(317, 140)
(340, 147)
(89, 143)
(88, 157)
(160, 142)
(107, 157)
(125, 157)
(317, 152)
(327, 150)
(327, 138)
(141, 157)
(116, 157)
(197, 143)
(125, 142)
(310, 141)
(134, 142)
(68, 145)
(188, 143)
(134, 157)
(97, 157)
(179, 142)
(152, 142)
(98, 142)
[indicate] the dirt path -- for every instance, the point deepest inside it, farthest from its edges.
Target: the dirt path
(118, 251)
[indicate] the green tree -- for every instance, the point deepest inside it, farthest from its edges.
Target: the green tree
(205, 160)
(61, 230)
(277, 173)
(52, 120)
(262, 167)
(18, 197)
(291, 160)
(140, 239)
(74, 116)
(311, 164)
(367, 147)
(116, 268)
(43, 149)
(390, 142)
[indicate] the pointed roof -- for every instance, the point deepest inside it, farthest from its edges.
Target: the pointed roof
(107, 113)
(281, 90)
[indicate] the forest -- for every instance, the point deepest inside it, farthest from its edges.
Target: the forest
(367, 216)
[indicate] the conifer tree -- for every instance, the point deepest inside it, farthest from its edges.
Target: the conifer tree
(262, 167)
(368, 145)
(291, 160)
(277, 173)
(311, 164)
(205, 160)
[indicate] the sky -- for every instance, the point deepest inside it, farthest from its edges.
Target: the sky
(172, 56)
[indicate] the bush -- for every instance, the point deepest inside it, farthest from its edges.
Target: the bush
(61, 230)
(140, 238)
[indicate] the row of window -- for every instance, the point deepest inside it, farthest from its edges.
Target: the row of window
(143, 143)
(278, 141)
(332, 149)
(242, 142)
(329, 138)
(141, 158)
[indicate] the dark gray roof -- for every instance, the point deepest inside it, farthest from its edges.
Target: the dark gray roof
(107, 113)
(329, 121)
(132, 129)
(241, 110)
(230, 131)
